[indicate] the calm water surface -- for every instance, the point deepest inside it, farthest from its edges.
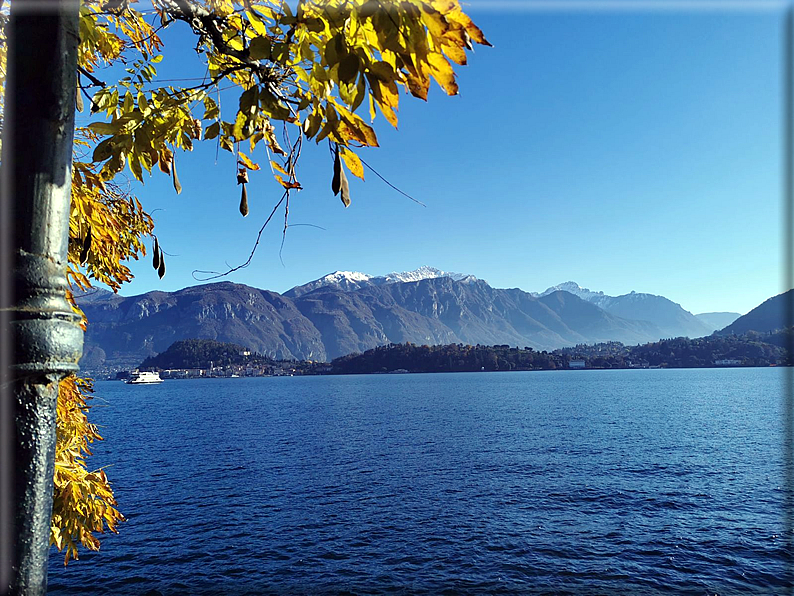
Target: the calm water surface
(570, 482)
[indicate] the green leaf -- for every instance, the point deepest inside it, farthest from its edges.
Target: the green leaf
(348, 68)
(312, 124)
(212, 131)
(360, 93)
(105, 128)
(103, 151)
(211, 110)
(330, 54)
(135, 166)
(249, 99)
(259, 48)
(240, 125)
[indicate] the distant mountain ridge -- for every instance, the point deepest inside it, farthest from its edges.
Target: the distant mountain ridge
(348, 312)
(668, 316)
(718, 320)
(353, 280)
(572, 288)
(329, 322)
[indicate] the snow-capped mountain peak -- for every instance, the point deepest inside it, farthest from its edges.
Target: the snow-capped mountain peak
(423, 272)
(573, 288)
(353, 280)
(339, 276)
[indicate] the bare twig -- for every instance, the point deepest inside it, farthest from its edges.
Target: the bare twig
(217, 274)
(374, 171)
(95, 82)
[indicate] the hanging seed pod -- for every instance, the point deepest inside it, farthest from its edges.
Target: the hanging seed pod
(244, 202)
(161, 268)
(197, 129)
(344, 188)
(177, 185)
(164, 162)
(79, 100)
(336, 183)
(242, 176)
(156, 255)
(86, 247)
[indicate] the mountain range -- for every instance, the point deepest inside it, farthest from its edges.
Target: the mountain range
(671, 319)
(353, 280)
(769, 316)
(346, 312)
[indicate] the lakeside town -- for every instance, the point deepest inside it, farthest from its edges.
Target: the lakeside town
(207, 359)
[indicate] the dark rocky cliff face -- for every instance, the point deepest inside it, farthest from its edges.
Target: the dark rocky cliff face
(128, 328)
(330, 322)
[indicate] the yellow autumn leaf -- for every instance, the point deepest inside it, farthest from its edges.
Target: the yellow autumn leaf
(353, 162)
(277, 166)
(443, 74)
(455, 53)
(246, 161)
(389, 114)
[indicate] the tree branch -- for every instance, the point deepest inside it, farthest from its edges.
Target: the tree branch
(95, 82)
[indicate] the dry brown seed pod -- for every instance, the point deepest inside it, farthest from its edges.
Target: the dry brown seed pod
(164, 162)
(86, 246)
(244, 202)
(156, 255)
(161, 268)
(177, 185)
(344, 188)
(336, 183)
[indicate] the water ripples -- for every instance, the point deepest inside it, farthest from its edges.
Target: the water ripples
(518, 483)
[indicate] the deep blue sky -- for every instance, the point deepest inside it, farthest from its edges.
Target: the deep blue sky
(624, 150)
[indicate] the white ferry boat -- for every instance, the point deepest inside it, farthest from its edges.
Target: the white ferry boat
(144, 378)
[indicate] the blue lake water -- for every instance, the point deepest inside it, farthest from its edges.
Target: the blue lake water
(570, 482)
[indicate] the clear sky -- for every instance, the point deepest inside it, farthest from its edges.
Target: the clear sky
(622, 149)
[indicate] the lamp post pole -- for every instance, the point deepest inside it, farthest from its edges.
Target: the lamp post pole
(42, 338)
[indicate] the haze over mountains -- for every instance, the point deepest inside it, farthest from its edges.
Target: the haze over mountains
(348, 312)
(671, 319)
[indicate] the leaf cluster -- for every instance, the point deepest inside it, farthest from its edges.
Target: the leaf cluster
(308, 72)
(83, 502)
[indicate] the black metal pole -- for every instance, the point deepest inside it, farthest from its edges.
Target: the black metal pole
(45, 336)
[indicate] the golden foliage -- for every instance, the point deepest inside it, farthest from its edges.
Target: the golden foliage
(311, 68)
(311, 72)
(83, 502)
